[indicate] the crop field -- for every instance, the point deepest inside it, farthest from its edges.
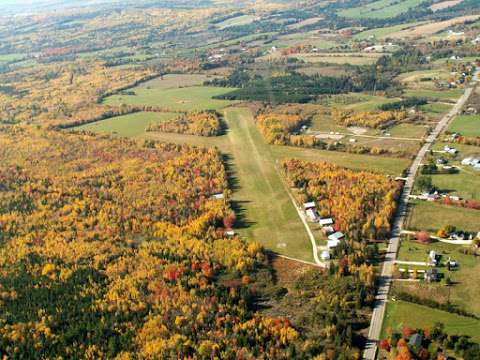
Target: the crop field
(378, 164)
(401, 313)
(429, 216)
(357, 101)
(447, 95)
(307, 38)
(444, 4)
(236, 21)
(130, 125)
(381, 9)
(408, 131)
(381, 33)
(171, 81)
(467, 125)
(352, 59)
(433, 28)
(187, 98)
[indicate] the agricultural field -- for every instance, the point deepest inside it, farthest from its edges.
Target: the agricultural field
(236, 21)
(466, 125)
(339, 58)
(400, 313)
(381, 9)
(430, 216)
(187, 98)
(172, 81)
(131, 125)
(383, 32)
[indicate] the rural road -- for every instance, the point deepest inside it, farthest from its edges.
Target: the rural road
(385, 279)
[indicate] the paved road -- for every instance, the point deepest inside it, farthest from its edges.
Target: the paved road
(385, 279)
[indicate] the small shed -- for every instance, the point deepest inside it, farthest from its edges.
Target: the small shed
(312, 215)
(336, 236)
(230, 233)
(309, 205)
(218, 196)
(325, 255)
(333, 243)
(415, 343)
(326, 221)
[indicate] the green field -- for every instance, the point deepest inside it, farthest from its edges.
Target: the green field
(130, 125)
(379, 164)
(236, 21)
(381, 9)
(188, 98)
(452, 94)
(401, 313)
(467, 125)
(465, 184)
(380, 33)
(408, 131)
(431, 217)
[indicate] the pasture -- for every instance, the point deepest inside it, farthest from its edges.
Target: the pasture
(172, 81)
(382, 9)
(430, 216)
(236, 21)
(401, 313)
(130, 125)
(466, 125)
(384, 32)
(192, 98)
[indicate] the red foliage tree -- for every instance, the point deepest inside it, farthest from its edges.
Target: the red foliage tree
(407, 331)
(384, 345)
(423, 237)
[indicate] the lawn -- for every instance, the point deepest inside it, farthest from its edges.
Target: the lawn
(431, 217)
(467, 125)
(381, 9)
(130, 125)
(379, 164)
(401, 313)
(188, 98)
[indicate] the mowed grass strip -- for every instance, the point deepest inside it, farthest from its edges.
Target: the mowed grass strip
(192, 98)
(467, 125)
(130, 125)
(270, 217)
(430, 216)
(379, 164)
(401, 313)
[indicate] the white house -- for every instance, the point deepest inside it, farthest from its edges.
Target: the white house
(309, 205)
(467, 161)
(327, 230)
(325, 255)
(333, 243)
(326, 221)
(218, 196)
(230, 233)
(433, 257)
(450, 150)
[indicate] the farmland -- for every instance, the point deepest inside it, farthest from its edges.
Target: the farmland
(431, 217)
(400, 313)
(188, 98)
(131, 125)
(466, 125)
(381, 9)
